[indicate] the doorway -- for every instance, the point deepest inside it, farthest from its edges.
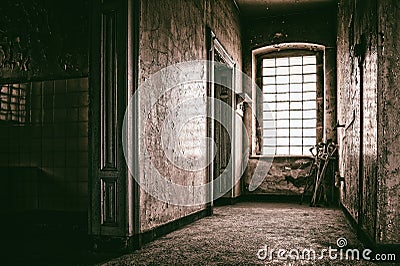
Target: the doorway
(223, 125)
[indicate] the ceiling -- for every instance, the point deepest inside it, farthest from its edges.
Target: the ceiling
(263, 8)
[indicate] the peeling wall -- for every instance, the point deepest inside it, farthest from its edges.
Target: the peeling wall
(275, 183)
(349, 106)
(357, 79)
(367, 60)
(307, 27)
(388, 217)
(43, 39)
(173, 31)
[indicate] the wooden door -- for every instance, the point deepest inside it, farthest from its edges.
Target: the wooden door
(224, 133)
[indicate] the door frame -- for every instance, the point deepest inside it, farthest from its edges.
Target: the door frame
(215, 46)
(113, 194)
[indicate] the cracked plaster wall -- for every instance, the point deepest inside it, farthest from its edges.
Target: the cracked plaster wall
(173, 31)
(43, 39)
(368, 50)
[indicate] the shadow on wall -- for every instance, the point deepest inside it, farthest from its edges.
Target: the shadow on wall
(44, 159)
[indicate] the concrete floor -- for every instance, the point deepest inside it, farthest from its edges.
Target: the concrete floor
(235, 233)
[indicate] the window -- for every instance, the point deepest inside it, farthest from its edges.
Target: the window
(13, 103)
(289, 86)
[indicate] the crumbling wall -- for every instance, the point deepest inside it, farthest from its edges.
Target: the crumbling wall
(308, 27)
(348, 107)
(357, 108)
(173, 31)
(388, 220)
(223, 18)
(43, 39)
(367, 94)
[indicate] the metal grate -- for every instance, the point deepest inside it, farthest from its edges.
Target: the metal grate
(289, 104)
(13, 103)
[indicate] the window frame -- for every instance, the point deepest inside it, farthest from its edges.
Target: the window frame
(288, 51)
(20, 101)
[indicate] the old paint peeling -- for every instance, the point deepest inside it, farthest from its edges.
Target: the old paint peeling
(171, 32)
(367, 49)
(43, 39)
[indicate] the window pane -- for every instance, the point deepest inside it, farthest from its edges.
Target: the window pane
(309, 69)
(296, 70)
(270, 116)
(296, 105)
(309, 105)
(282, 71)
(282, 79)
(296, 123)
(269, 88)
(296, 114)
(282, 88)
(269, 80)
(296, 60)
(268, 124)
(308, 60)
(296, 132)
(269, 106)
(309, 132)
(269, 62)
(282, 97)
(282, 115)
(269, 71)
(282, 150)
(269, 150)
(296, 87)
(282, 61)
(310, 78)
(296, 141)
(309, 96)
(296, 79)
(310, 123)
(296, 96)
(282, 132)
(310, 86)
(282, 106)
(282, 141)
(269, 142)
(269, 98)
(309, 114)
(282, 123)
(269, 134)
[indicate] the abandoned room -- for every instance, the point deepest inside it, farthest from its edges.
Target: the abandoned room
(200, 132)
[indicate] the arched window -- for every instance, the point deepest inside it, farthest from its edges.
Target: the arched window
(291, 79)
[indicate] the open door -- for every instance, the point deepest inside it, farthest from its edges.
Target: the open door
(223, 78)
(113, 77)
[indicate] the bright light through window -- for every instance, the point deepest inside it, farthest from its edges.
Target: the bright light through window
(289, 95)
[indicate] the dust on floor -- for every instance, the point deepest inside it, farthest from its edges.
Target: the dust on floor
(235, 234)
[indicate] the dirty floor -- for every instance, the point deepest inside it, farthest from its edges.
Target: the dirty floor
(235, 234)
